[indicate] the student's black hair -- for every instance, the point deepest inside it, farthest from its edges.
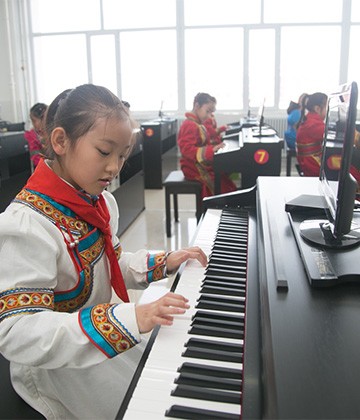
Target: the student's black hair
(77, 110)
(38, 110)
(203, 98)
(309, 102)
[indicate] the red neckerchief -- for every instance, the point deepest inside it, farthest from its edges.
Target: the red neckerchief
(45, 181)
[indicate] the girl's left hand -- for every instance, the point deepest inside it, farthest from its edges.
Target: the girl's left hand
(176, 258)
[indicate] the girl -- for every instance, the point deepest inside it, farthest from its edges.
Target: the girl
(310, 133)
(72, 351)
(197, 149)
(35, 136)
(294, 114)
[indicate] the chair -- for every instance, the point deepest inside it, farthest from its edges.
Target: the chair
(175, 184)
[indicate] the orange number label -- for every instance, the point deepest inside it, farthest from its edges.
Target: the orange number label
(149, 132)
(334, 162)
(261, 156)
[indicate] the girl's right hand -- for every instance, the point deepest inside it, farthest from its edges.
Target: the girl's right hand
(160, 312)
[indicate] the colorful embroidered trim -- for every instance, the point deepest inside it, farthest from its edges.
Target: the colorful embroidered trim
(156, 265)
(25, 301)
(103, 329)
(85, 255)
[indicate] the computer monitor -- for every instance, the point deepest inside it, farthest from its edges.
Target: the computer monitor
(337, 231)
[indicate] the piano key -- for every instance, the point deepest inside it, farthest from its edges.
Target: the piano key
(208, 381)
(219, 395)
(209, 330)
(155, 395)
(222, 290)
(214, 371)
(181, 412)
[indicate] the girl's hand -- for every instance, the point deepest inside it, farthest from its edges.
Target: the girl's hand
(219, 146)
(160, 312)
(176, 258)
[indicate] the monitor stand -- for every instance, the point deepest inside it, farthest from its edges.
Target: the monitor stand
(319, 233)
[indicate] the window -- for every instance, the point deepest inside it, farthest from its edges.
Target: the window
(65, 15)
(306, 67)
(148, 69)
(103, 61)
(225, 12)
(261, 67)
(162, 52)
(306, 11)
(60, 63)
(214, 64)
(122, 14)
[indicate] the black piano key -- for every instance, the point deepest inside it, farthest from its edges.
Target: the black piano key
(209, 370)
(219, 355)
(226, 272)
(217, 315)
(234, 262)
(189, 391)
(220, 306)
(215, 345)
(216, 332)
(224, 284)
(226, 291)
(220, 323)
(197, 380)
(182, 412)
(226, 279)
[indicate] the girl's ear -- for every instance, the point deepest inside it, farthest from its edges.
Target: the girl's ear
(59, 141)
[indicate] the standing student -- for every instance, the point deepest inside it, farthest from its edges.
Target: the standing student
(72, 350)
(197, 149)
(36, 135)
(310, 133)
(293, 117)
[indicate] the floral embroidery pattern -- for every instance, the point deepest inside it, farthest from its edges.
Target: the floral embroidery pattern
(105, 331)
(156, 267)
(88, 252)
(25, 300)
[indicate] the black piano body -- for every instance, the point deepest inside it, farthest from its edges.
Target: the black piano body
(301, 343)
(252, 156)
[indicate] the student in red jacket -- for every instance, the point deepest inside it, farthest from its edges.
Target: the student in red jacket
(310, 133)
(35, 136)
(197, 149)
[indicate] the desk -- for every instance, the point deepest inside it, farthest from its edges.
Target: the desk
(258, 156)
(311, 340)
(159, 137)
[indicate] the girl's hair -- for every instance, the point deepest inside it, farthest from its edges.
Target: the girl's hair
(77, 110)
(38, 110)
(309, 102)
(203, 98)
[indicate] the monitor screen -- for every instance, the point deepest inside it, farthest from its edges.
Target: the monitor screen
(339, 190)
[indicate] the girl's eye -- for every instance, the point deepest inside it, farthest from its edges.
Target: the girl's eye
(103, 153)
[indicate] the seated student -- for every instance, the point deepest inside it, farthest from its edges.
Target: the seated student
(35, 136)
(294, 113)
(310, 133)
(74, 348)
(197, 149)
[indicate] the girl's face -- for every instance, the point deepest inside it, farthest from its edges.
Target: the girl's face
(205, 111)
(38, 124)
(96, 158)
